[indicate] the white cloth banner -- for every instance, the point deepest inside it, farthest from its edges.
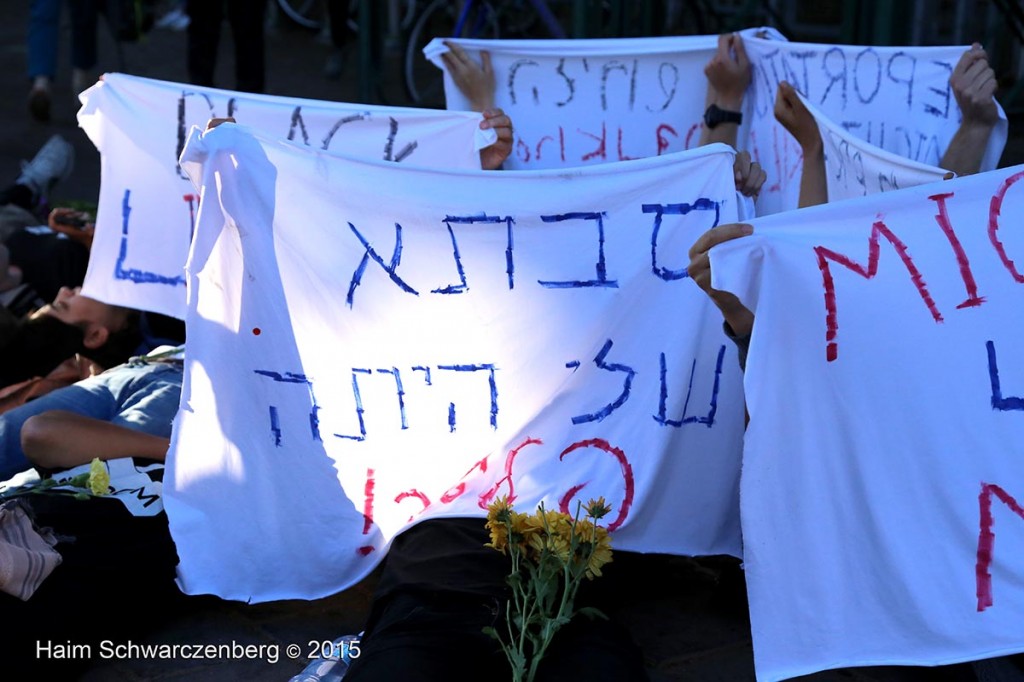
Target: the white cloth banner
(896, 98)
(855, 168)
(582, 102)
(147, 206)
(882, 495)
(356, 364)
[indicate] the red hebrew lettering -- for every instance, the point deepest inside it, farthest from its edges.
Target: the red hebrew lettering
(600, 152)
(942, 218)
(455, 491)
(548, 138)
(367, 510)
(867, 272)
(663, 142)
(486, 498)
(563, 502)
(987, 538)
(413, 493)
(623, 156)
(993, 225)
(689, 136)
(522, 150)
(627, 477)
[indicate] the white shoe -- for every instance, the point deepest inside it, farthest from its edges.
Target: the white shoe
(51, 164)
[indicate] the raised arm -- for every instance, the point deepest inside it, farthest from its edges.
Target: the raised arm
(60, 440)
(475, 81)
(791, 113)
(974, 85)
(728, 75)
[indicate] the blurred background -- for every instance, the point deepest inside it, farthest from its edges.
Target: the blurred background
(369, 51)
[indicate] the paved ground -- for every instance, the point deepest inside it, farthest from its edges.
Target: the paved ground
(688, 616)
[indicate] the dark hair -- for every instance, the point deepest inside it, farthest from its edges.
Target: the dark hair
(41, 343)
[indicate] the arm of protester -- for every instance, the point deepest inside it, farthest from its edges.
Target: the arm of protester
(728, 75)
(791, 113)
(77, 225)
(974, 85)
(492, 156)
(475, 81)
(739, 318)
(60, 440)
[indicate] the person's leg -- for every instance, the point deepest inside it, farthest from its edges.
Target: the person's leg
(83, 43)
(203, 38)
(246, 18)
(43, 26)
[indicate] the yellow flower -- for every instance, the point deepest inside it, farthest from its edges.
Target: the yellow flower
(601, 554)
(499, 516)
(99, 477)
(555, 544)
(597, 509)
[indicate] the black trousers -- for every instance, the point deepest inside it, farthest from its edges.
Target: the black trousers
(246, 19)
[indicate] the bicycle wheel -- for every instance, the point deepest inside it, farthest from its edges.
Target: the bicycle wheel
(306, 13)
(423, 81)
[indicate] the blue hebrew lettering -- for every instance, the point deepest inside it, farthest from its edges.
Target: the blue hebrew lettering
(709, 418)
(493, 386)
(471, 220)
(675, 209)
(314, 408)
(998, 401)
(396, 260)
(356, 371)
(399, 390)
(602, 276)
(132, 274)
(626, 385)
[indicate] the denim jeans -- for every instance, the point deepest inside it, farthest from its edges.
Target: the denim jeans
(43, 25)
(44, 36)
(144, 398)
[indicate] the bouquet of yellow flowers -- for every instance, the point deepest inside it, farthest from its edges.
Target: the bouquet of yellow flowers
(551, 553)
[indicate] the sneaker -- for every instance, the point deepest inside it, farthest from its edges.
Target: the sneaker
(51, 164)
(175, 20)
(39, 102)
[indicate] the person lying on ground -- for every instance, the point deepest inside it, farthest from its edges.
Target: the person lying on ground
(142, 397)
(114, 557)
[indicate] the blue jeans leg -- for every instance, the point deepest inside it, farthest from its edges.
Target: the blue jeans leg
(43, 27)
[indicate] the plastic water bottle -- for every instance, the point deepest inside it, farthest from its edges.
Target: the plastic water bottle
(331, 669)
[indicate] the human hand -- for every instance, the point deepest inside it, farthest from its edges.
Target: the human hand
(493, 156)
(793, 115)
(77, 225)
(728, 73)
(974, 83)
(214, 122)
(735, 313)
(475, 81)
(748, 174)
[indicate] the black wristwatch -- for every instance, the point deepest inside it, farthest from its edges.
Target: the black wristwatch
(715, 115)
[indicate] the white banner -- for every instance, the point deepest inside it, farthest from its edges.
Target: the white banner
(356, 364)
(855, 168)
(582, 102)
(896, 98)
(147, 206)
(883, 474)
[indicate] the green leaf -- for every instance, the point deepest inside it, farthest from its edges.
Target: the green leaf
(491, 632)
(592, 613)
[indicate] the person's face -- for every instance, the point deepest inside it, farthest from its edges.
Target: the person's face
(95, 318)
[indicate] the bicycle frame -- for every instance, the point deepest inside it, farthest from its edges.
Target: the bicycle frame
(548, 18)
